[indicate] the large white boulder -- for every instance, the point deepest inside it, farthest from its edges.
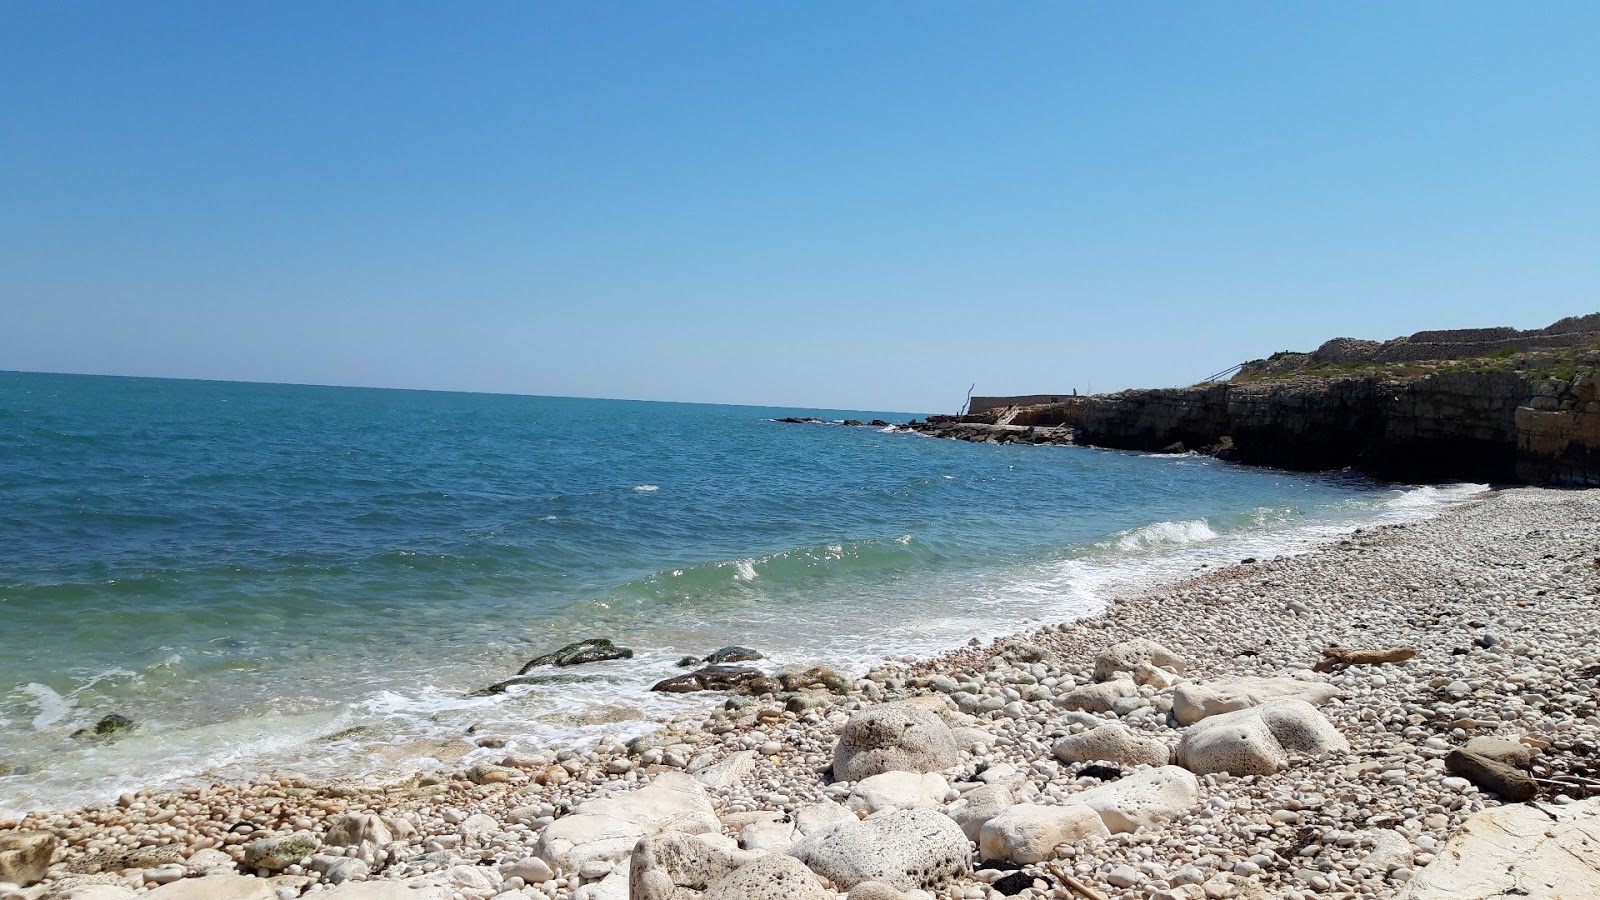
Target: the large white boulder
(665, 865)
(914, 848)
(814, 817)
(1534, 853)
(772, 877)
(25, 856)
(1097, 698)
(1114, 743)
(728, 771)
(897, 790)
(893, 737)
(1127, 656)
(1028, 833)
(384, 890)
(1144, 799)
(357, 829)
(216, 887)
(978, 806)
(1192, 702)
(607, 828)
(1258, 740)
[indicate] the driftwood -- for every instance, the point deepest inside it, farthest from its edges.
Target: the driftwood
(1511, 783)
(1339, 657)
(1076, 886)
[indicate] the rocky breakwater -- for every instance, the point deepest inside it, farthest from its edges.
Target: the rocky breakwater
(1499, 426)
(1181, 746)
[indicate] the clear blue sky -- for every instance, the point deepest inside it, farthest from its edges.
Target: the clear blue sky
(850, 205)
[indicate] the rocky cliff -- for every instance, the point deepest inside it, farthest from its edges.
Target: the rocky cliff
(1499, 425)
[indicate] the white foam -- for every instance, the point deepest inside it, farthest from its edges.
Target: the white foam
(52, 706)
(647, 488)
(744, 570)
(1161, 534)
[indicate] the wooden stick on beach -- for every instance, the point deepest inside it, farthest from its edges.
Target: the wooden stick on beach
(1075, 885)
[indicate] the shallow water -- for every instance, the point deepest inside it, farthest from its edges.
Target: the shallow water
(250, 571)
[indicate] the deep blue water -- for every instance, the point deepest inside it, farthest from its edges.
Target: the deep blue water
(246, 569)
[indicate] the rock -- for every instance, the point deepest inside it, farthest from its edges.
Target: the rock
(586, 651)
(201, 862)
(816, 677)
(772, 877)
(1257, 741)
(1155, 676)
(1127, 655)
(354, 830)
(1192, 702)
(532, 869)
(733, 655)
(874, 890)
(1512, 784)
(1499, 749)
(280, 851)
(666, 863)
(25, 856)
(1390, 850)
(1520, 851)
(1017, 650)
(1144, 799)
(897, 790)
(1028, 833)
(216, 887)
(893, 737)
(734, 767)
(339, 869)
(607, 829)
(687, 662)
(387, 890)
(739, 679)
(814, 817)
(769, 837)
(1113, 743)
(916, 848)
(100, 892)
(1097, 698)
(978, 806)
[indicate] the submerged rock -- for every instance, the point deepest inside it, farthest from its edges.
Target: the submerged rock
(108, 726)
(586, 651)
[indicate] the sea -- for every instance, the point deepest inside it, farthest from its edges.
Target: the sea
(272, 578)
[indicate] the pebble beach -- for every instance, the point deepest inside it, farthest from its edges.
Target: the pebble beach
(1497, 599)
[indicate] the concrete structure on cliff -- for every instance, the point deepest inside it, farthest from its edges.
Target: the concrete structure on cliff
(1495, 405)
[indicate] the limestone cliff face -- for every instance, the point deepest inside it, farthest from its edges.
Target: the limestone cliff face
(1499, 426)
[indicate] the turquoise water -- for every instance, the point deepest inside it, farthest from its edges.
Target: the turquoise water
(246, 570)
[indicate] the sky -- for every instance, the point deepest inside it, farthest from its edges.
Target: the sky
(822, 204)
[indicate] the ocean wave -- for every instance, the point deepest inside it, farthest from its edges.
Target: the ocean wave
(647, 488)
(1164, 534)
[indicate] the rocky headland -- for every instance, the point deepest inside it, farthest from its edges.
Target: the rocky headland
(1494, 405)
(1410, 712)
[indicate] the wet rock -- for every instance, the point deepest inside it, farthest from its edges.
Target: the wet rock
(893, 737)
(910, 849)
(1028, 833)
(739, 679)
(732, 655)
(586, 651)
(25, 856)
(1113, 743)
(109, 726)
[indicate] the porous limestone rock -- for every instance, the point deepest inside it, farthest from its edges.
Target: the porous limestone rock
(25, 855)
(218, 887)
(1028, 833)
(893, 737)
(906, 849)
(1144, 799)
(1523, 851)
(1192, 702)
(1127, 656)
(357, 829)
(1258, 740)
(280, 851)
(772, 877)
(385, 890)
(665, 865)
(814, 817)
(897, 790)
(978, 806)
(1114, 743)
(732, 768)
(1097, 698)
(874, 890)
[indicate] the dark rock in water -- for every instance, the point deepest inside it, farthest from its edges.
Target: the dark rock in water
(878, 423)
(501, 686)
(854, 423)
(1174, 447)
(802, 420)
(108, 726)
(591, 650)
(1104, 773)
(740, 679)
(733, 655)
(1248, 560)
(688, 661)
(1013, 884)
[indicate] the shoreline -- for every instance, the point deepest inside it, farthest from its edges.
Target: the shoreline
(1223, 622)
